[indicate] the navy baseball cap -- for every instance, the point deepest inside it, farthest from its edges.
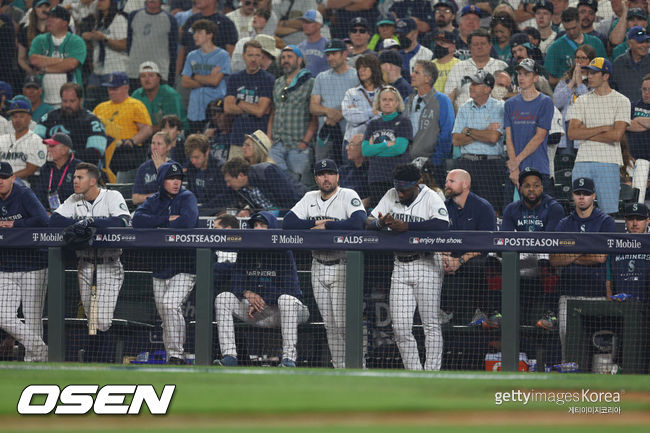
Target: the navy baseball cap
(543, 4)
(483, 77)
(638, 33)
(6, 89)
(359, 22)
(32, 81)
(600, 64)
(116, 79)
(175, 171)
(325, 165)
(59, 12)
(451, 4)
(591, 3)
(19, 106)
(5, 169)
(390, 56)
(472, 9)
(335, 45)
(585, 184)
(636, 209)
(528, 171)
(59, 138)
(519, 39)
(405, 26)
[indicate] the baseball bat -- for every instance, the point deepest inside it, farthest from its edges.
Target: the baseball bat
(93, 314)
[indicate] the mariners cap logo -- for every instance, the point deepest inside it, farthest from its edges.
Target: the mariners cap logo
(323, 164)
(635, 207)
(581, 182)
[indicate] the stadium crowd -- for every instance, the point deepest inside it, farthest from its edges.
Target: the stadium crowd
(518, 110)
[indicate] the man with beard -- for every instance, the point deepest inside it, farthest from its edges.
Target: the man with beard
(465, 282)
(587, 12)
(84, 128)
(444, 15)
(291, 126)
(417, 275)
(535, 212)
(329, 208)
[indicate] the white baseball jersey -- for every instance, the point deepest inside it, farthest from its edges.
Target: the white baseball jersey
(339, 207)
(109, 203)
(27, 149)
(426, 206)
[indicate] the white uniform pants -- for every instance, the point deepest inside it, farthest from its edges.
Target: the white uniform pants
(562, 319)
(287, 315)
(417, 283)
(328, 284)
(28, 288)
(110, 276)
(169, 296)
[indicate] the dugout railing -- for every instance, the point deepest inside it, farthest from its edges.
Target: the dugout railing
(359, 247)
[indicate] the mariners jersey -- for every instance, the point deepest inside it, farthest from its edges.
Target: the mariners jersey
(427, 206)
(108, 203)
(339, 207)
(27, 149)
(630, 273)
(543, 217)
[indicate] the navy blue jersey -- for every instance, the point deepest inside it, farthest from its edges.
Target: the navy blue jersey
(208, 185)
(477, 214)
(84, 128)
(598, 221)
(630, 273)
(542, 218)
(23, 208)
(155, 212)
(249, 88)
(146, 178)
(380, 129)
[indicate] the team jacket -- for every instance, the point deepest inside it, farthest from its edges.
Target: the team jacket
(270, 274)
(542, 218)
(155, 212)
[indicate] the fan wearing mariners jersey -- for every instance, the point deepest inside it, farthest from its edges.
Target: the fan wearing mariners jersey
(417, 276)
(23, 272)
(329, 208)
(93, 206)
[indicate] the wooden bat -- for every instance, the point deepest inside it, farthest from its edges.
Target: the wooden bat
(93, 314)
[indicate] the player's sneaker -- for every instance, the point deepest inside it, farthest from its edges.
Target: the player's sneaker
(478, 319)
(492, 322)
(286, 362)
(548, 321)
(226, 361)
(175, 360)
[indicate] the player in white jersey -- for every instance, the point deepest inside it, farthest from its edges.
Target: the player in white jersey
(93, 206)
(329, 208)
(417, 276)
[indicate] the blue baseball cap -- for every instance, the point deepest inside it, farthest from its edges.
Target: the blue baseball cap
(638, 33)
(6, 89)
(116, 79)
(294, 49)
(312, 16)
(325, 165)
(472, 9)
(19, 106)
(5, 169)
(600, 64)
(405, 26)
(585, 184)
(335, 45)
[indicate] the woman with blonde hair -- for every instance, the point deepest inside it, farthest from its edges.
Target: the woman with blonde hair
(386, 141)
(255, 148)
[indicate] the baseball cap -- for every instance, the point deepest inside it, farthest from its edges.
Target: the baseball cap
(528, 64)
(451, 4)
(472, 9)
(312, 16)
(5, 169)
(583, 184)
(294, 49)
(268, 45)
(32, 81)
(483, 77)
(59, 138)
(405, 26)
(59, 12)
(390, 56)
(175, 171)
(528, 171)
(519, 39)
(335, 45)
(638, 33)
(325, 165)
(446, 36)
(40, 2)
(19, 106)
(116, 79)
(543, 4)
(386, 19)
(149, 67)
(591, 3)
(636, 209)
(600, 64)
(261, 140)
(637, 12)
(359, 22)
(389, 43)
(6, 89)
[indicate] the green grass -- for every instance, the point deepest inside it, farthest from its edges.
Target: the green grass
(331, 397)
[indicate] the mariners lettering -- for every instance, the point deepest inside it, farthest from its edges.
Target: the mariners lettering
(255, 273)
(407, 218)
(13, 156)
